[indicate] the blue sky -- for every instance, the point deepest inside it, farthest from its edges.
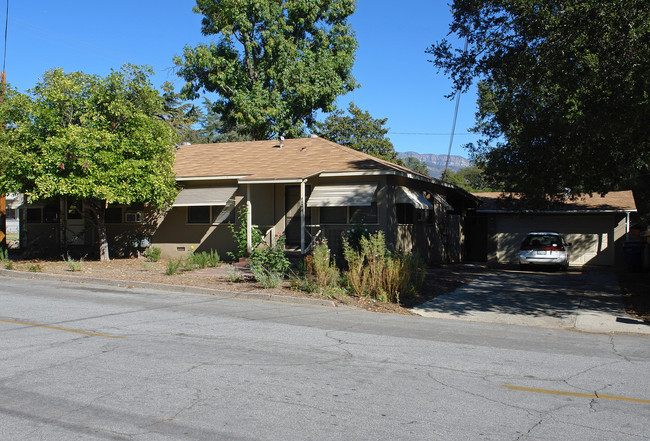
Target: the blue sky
(397, 81)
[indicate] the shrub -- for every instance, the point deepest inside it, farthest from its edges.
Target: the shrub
(173, 266)
(74, 265)
(197, 260)
(323, 265)
(353, 236)
(35, 268)
(271, 259)
(213, 258)
(9, 265)
(153, 254)
(268, 279)
(374, 271)
(240, 235)
(234, 275)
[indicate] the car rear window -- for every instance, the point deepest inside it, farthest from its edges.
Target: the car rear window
(543, 240)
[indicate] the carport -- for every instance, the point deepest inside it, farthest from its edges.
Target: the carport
(596, 226)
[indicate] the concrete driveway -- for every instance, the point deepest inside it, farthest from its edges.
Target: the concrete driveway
(588, 301)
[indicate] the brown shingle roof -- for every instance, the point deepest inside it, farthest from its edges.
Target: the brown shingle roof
(265, 160)
(612, 201)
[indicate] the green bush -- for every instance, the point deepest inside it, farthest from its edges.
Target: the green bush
(271, 259)
(374, 271)
(234, 275)
(74, 265)
(35, 268)
(9, 265)
(268, 279)
(197, 260)
(326, 274)
(153, 254)
(173, 266)
(213, 258)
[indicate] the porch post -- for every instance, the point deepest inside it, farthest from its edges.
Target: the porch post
(249, 219)
(302, 217)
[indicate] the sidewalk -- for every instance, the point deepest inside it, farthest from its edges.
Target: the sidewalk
(587, 302)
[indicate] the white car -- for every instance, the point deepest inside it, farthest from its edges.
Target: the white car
(544, 248)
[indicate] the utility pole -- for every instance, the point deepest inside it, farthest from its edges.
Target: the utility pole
(3, 198)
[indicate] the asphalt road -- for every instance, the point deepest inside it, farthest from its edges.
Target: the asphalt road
(125, 364)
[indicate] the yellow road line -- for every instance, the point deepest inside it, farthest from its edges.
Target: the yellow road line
(61, 329)
(576, 394)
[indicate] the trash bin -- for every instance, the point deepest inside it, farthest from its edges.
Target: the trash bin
(633, 255)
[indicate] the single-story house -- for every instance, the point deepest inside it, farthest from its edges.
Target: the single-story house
(308, 189)
(596, 226)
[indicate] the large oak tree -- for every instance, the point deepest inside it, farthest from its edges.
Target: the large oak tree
(564, 91)
(98, 140)
(275, 62)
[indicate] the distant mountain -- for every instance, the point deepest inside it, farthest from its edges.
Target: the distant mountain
(436, 163)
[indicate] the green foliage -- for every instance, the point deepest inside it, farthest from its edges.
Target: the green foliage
(275, 63)
(416, 165)
(213, 259)
(268, 279)
(377, 272)
(173, 266)
(100, 140)
(196, 260)
(563, 92)
(74, 265)
(352, 237)
(153, 254)
(269, 261)
(4, 259)
(326, 274)
(472, 179)
(34, 268)
(234, 275)
(239, 234)
(359, 131)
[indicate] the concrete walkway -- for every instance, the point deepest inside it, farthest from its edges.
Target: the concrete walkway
(582, 301)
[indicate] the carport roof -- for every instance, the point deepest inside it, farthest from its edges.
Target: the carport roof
(614, 201)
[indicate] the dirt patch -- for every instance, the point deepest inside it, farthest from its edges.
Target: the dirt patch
(439, 280)
(635, 289)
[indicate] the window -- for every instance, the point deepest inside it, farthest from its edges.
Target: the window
(33, 215)
(51, 213)
(198, 215)
(333, 215)
(223, 214)
(113, 215)
(404, 213)
(366, 215)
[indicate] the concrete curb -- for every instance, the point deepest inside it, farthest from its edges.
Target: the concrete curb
(247, 295)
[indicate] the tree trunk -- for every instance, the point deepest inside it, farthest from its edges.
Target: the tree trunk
(98, 209)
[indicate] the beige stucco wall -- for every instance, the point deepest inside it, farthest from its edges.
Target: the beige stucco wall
(595, 239)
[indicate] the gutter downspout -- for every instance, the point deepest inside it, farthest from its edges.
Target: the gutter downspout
(249, 220)
(627, 225)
